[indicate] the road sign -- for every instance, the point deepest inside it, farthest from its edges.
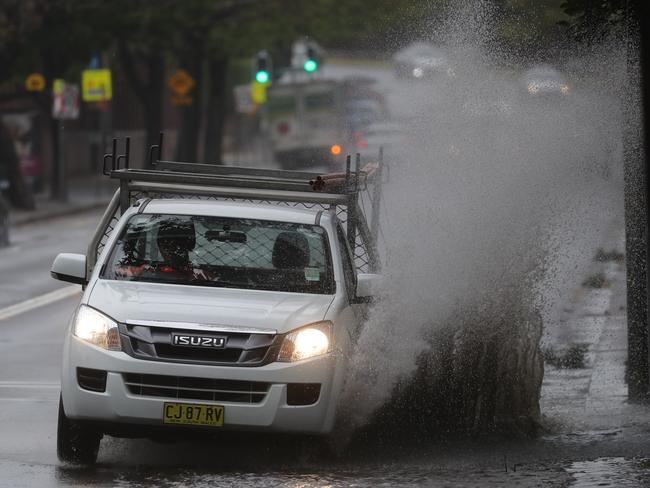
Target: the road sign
(258, 92)
(35, 82)
(243, 99)
(182, 100)
(96, 85)
(65, 100)
(181, 82)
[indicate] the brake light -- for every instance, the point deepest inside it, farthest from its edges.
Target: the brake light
(283, 127)
(335, 149)
(362, 144)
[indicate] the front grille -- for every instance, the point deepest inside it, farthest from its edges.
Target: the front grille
(241, 349)
(188, 388)
(169, 351)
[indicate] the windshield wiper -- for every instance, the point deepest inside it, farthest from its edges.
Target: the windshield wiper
(220, 283)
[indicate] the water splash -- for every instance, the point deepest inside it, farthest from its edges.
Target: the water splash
(495, 202)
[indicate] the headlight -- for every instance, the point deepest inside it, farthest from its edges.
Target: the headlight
(309, 341)
(533, 88)
(564, 89)
(418, 72)
(96, 328)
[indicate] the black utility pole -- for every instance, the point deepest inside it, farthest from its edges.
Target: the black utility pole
(644, 29)
(637, 199)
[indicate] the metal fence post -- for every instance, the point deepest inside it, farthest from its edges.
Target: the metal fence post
(4, 222)
(376, 202)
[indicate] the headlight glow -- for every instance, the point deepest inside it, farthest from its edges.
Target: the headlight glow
(564, 89)
(96, 328)
(307, 342)
(533, 88)
(418, 72)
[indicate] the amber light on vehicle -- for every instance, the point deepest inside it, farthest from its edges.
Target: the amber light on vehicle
(335, 149)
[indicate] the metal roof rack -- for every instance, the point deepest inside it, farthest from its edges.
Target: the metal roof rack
(339, 192)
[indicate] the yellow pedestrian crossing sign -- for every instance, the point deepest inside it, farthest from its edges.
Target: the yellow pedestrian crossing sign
(258, 92)
(96, 85)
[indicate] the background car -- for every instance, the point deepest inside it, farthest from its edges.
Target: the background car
(421, 60)
(375, 136)
(545, 80)
(359, 114)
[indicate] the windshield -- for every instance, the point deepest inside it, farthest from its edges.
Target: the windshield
(222, 252)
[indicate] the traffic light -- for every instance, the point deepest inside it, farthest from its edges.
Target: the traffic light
(311, 62)
(262, 68)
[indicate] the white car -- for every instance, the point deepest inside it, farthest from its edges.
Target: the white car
(544, 80)
(386, 135)
(421, 60)
(209, 315)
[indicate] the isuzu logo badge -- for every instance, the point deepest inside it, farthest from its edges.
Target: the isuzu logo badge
(193, 340)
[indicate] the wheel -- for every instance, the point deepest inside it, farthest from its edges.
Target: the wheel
(75, 442)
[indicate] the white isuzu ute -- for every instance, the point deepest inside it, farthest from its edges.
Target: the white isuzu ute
(214, 299)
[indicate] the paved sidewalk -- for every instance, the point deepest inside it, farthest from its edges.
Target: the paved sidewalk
(83, 194)
(593, 326)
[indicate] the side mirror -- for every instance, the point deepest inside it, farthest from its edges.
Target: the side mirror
(70, 267)
(367, 287)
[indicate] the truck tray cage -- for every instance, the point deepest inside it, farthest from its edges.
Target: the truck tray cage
(343, 193)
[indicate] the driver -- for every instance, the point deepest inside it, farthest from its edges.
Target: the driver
(176, 238)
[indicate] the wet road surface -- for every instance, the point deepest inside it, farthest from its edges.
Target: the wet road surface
(30, 348)
(30, 345)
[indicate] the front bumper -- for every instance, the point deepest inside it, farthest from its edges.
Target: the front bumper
(118, 405)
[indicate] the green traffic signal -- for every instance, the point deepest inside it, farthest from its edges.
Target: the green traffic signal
(310, 66)
(262, 77)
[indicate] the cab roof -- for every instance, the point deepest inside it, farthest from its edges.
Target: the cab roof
(245, 210)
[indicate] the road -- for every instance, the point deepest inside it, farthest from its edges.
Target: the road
(30, 348)
(25, 264)
(487, 183)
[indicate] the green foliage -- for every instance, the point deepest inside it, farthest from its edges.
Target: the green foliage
(592, 20)
(55, 37)
(605, 256)
(596, 280)
(573, 358)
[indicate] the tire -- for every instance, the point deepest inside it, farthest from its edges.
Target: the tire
(75, 442)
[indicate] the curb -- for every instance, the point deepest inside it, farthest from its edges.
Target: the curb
(50, 214)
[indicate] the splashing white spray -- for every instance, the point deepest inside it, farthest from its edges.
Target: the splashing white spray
(496, 199)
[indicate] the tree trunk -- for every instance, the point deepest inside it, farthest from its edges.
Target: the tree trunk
(154, 104)
(148, 89)
(20, 194)
(188, 133)
(216, 110)
(55, 183)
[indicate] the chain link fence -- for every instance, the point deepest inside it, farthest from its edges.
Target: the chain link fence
(361, 252)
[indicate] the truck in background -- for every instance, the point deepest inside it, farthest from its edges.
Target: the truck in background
(315, 121)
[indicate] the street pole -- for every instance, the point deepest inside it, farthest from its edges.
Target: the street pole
(637, 200)
(4, 222)
(62, 185)
(644, 30)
